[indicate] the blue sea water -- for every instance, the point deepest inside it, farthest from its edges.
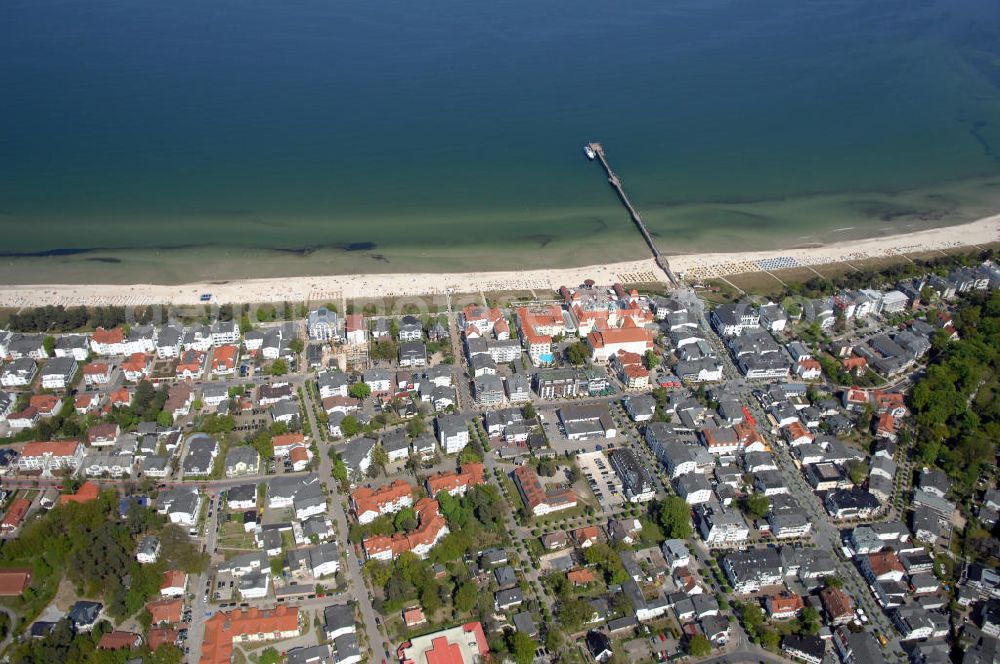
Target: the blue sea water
(438, 128)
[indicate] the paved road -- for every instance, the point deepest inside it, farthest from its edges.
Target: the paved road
(199, 584)
(356, 582)
(12, 617)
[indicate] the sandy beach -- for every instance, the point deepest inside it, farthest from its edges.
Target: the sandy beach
(340, 287)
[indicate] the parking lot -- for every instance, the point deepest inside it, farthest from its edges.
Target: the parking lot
(602, 478)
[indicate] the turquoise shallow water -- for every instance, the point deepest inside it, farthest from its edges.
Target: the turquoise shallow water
(448, 134)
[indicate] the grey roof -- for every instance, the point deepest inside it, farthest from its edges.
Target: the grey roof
(355, 451)
(347, 647)
(312, 655)
(525, 623)
(285, 407)
(451, 424)
(169, 336)
(244, 454)
(24, 365)
(199, 454)
(84, 612)
(216, 390)
(293, 486)
(317, 525)
(24, 344)
(179, 499)
(72, 341)
(337, 616)
(333, 380)
(155, 462)
(241, 492)
(395, 441)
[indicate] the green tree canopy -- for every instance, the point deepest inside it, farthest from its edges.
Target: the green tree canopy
(360, 390)
(756, 505)
(578, 353)
(699, 646)
(675, 518)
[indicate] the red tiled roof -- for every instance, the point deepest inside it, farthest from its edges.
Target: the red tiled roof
(431, 524)
(884, 562)
(166, 610)
(44, 403)
(115, 335)
(785, 603)
(354, 322)
(58, 448)
(836, 603)
(217, 646)
(366, 499)
(470, 475)
(796, 430)
(103, 431)
(173, 578)
(413, 616)
(224, 357)
(96, 368)
(159, 636)
(117, 640)
(535, 494)
(135, 362)
(886, 423)
(580, 577)
(286, 439)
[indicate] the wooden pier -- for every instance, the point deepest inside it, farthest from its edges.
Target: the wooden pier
(616, 182)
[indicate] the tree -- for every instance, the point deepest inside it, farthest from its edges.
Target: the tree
(865, 418)
(465, 597)
(296, 345)
(405, 520)
(339, 471)
(269, 656)
(573, 613)
(652, 359)
(279, 367)
(675, 517)
(752, 616)
(770, 639)
(578, 353)
(416, 426)
(380, 457)
(522, 647)
(756, 505)
(833, 581)
(349, 426)
(857, 471)
(360, 390)
(699, 646)
(529, 411)
(49, 343)
(809, 620)
(164, 419)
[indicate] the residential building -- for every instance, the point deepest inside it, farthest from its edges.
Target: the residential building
(538, 500)
(323, 325)
(224, 629)
(368, 504)
(453, 433)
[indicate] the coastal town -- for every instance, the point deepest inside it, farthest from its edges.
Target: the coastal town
(621, 470)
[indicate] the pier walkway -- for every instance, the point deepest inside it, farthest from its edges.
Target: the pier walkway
(616, 182)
